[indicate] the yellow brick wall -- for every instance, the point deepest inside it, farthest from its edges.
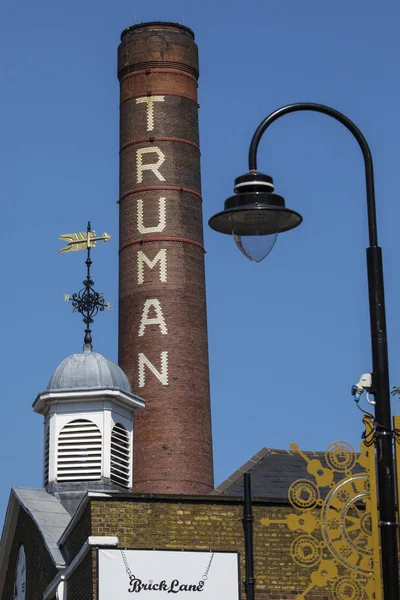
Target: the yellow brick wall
(217, 525)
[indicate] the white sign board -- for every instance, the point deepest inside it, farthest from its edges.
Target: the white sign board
(157, 574)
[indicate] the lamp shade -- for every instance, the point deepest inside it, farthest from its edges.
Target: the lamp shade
(254, 209)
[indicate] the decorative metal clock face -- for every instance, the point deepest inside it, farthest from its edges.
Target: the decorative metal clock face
(20, 576)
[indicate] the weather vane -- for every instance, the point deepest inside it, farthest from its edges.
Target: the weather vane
(87, 301)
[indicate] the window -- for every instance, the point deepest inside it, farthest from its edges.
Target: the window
(79, 451)
(120, 452)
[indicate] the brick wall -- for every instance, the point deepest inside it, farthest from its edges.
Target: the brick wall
(207, 524)
(82, 582)
(40, 569)
(78, 535)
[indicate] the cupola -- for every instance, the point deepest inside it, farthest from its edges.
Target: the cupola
(88, 405)
(88, 410)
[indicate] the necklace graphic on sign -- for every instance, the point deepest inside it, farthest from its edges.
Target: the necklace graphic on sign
(174, 586)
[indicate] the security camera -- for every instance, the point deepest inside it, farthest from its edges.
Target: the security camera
(365, 383)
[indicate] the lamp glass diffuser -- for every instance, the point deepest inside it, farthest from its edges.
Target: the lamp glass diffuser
(255, 231)
(255, 247)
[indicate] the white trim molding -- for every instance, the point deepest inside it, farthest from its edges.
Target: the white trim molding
(58, 587)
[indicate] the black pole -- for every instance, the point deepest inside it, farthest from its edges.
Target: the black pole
(88, 283)
(380, 363)
(248, 537)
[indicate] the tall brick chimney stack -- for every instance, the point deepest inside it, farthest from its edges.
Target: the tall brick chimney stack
(162, 304)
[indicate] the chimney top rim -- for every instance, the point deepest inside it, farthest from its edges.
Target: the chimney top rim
(129, 30)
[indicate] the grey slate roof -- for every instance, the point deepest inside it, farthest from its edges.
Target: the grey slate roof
(49, 515)
(88, 370)
(272, 473)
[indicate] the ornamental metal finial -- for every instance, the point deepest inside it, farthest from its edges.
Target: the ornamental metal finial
(87, 301)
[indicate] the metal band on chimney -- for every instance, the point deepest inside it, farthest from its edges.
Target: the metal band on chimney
(161, 188)
(162, 239)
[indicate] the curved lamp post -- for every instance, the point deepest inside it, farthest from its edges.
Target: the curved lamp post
(254, 216)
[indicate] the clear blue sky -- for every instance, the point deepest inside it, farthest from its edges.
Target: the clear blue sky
(287, 337)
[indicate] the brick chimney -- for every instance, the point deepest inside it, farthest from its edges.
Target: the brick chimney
(162, 303)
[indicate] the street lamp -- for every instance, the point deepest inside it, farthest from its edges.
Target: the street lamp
(254, 216)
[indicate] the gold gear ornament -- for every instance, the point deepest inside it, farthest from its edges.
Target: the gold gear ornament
(351, 542)
(306, 551)
(346, 522)
(303, 494)
(340, 456)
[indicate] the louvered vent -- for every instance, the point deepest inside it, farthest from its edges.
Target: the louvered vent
(120, 455)
(79, 451)
(46, 456)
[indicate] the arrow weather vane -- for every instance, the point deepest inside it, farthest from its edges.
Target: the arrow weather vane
(87, 301)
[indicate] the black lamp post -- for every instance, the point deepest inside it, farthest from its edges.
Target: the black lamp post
(254, 216)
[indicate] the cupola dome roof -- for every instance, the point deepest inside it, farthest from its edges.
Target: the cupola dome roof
(88, 370)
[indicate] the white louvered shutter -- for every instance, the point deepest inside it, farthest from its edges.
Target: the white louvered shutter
(79, 451)
(120, 456)
(46, 456)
